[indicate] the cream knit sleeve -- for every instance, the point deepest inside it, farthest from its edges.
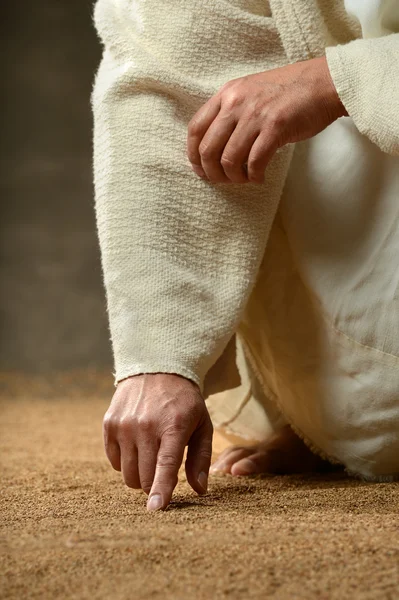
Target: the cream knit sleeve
(179, 255)
(366, 75)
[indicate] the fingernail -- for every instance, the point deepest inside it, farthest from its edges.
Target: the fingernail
(203, 480)
(154, 502)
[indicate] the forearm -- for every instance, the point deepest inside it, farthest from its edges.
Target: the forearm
(179, 256)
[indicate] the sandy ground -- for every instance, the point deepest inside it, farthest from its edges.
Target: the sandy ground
(71, 529)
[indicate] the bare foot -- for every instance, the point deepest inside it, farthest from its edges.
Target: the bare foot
(283, 453)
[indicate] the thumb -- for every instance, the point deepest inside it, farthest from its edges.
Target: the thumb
(199, 456)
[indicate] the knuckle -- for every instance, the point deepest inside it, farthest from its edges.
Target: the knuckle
(255, 165)
(227, 85)
(167, 460)
(256, 113)
(110, 429)
(125, 424)
(207, 151)
(179, 422)
(144, 423)
(229, 162)
(232, 98)
(108, 422)
(276, 120)
(194, 127)
(205, 454)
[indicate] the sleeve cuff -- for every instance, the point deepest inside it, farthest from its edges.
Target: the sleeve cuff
(364, 73)
(140, 368)
(342, 81)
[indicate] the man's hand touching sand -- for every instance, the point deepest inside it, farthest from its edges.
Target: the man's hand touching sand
(234, 135)
(151, 419)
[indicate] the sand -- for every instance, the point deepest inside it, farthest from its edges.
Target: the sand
(71, 529)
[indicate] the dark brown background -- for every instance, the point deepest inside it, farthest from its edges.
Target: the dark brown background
(52, 307)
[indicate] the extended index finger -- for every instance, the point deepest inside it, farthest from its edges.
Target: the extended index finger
(169, 459)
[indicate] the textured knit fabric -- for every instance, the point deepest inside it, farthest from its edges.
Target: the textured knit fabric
(180, 255)
(355, 69)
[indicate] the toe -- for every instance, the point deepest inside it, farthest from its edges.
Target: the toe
(250, 465)
(244, 467)
(227, 459)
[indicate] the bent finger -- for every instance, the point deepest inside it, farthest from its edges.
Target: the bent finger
(212, 146)
(111, 445)
(129, 466)
(113, 453)
(198, 126)
(260, 155)
(199, 457)
(236, 152)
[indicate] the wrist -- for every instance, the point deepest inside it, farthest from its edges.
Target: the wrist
(161, 378)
